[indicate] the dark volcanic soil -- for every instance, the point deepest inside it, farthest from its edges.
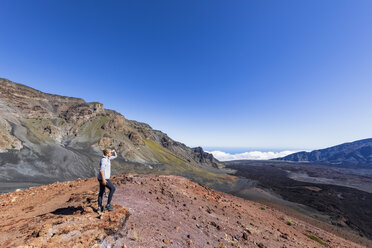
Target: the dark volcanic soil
(165, 211)
(347, 207)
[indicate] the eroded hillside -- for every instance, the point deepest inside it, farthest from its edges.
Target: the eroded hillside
(46, 137)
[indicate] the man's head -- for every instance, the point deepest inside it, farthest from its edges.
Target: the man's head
(107, 152)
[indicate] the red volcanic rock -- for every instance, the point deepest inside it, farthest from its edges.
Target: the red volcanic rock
(54, 216)
(165, 211)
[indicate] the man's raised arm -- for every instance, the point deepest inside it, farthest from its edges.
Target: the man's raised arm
(115, 155)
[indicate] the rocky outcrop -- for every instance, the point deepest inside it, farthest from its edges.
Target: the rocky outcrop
(65, 220)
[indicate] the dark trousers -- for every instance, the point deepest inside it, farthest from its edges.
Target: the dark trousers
(102, 189)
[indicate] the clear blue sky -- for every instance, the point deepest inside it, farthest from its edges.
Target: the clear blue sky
(249, 74)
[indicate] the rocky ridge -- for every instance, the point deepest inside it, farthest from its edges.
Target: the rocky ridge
(52, 137)
(59, 119)
(352, 153)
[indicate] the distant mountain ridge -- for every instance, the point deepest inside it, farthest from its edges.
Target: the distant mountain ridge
(355, 153)
(46, 138)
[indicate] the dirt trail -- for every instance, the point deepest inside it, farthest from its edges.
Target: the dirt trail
(165, 211)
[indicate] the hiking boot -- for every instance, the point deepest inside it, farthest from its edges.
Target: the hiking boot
(109, 207)
(130, 210)
(100, 210)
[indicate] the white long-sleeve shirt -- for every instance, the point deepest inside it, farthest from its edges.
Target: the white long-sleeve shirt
(105, 166)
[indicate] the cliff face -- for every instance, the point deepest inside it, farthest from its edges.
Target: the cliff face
(52, 137)
(353, 153)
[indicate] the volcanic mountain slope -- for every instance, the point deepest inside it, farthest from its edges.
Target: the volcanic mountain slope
(151, 211)
(357, 152)
(45, 138)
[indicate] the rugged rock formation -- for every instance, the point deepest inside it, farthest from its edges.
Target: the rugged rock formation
(353, 153)
(165, 211)
(29, 221)
(52, 137)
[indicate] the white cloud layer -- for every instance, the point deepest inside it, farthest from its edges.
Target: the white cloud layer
(253, 155)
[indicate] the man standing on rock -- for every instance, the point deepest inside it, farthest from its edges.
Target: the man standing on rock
(104, 179)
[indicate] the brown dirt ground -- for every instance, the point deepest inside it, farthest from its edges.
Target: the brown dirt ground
(165, 211)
